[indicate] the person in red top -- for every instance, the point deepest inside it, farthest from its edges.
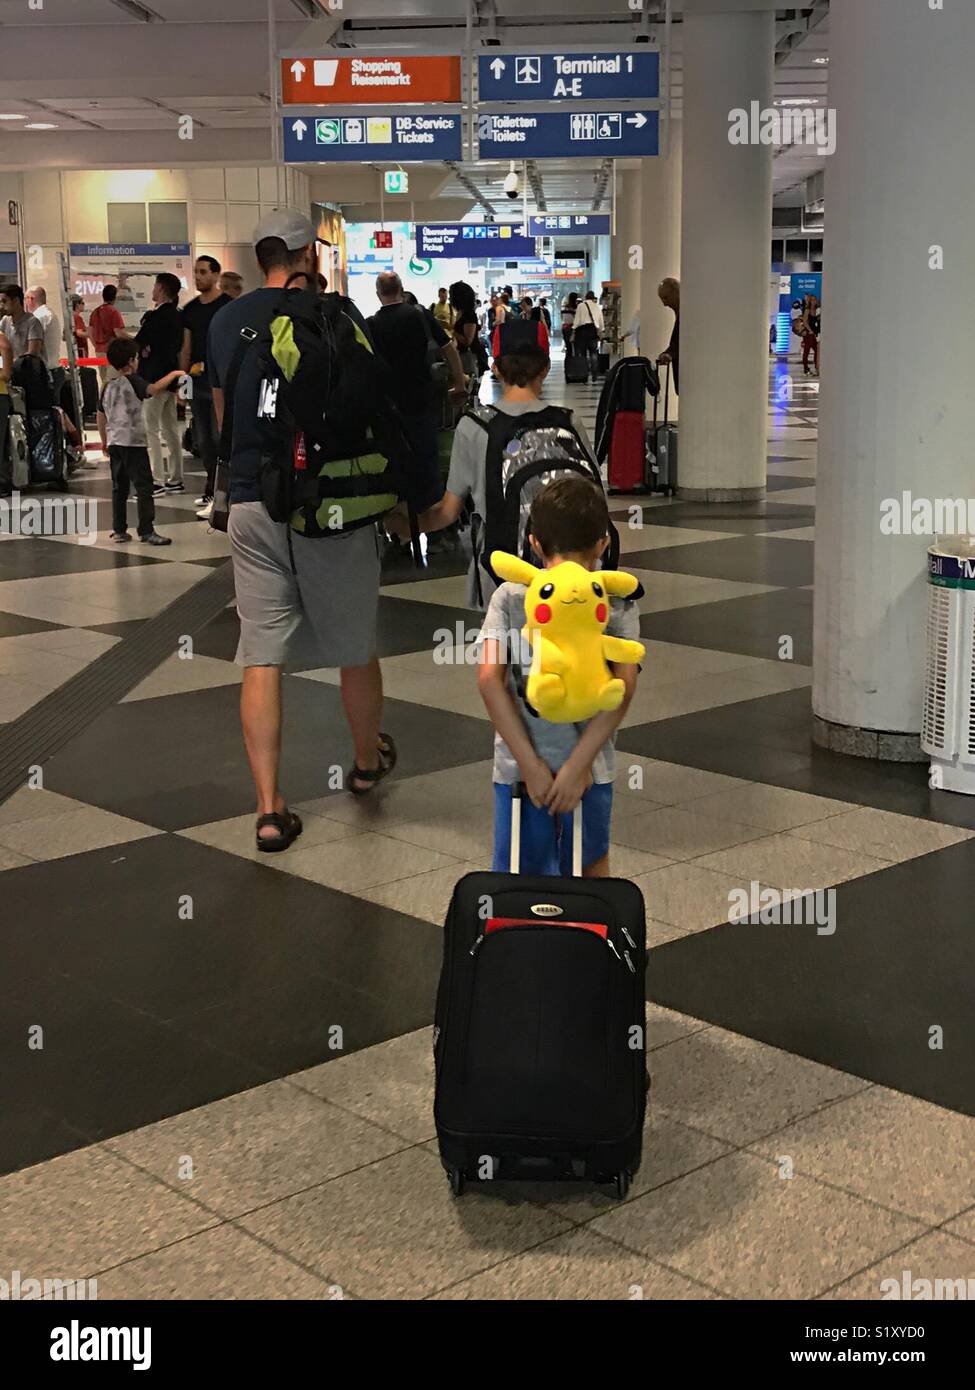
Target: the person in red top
(78, 326)
(105, 324)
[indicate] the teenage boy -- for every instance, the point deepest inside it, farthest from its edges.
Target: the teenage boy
(122, 426)
(105, 324)
(564, 767)
(521, 364)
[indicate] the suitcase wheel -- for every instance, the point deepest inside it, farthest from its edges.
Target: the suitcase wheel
(456, 1179)
(622, 1183)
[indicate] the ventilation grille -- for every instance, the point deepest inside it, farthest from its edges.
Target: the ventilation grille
(936, 682)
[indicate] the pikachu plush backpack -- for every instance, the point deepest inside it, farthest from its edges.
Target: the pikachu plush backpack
(567, 609)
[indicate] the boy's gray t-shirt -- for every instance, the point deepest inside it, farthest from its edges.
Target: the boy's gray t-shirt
(467, 477)
(553, 743)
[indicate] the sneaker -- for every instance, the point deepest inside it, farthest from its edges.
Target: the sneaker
(154, 538)
(158, 489)
(205, 513)
(205, 500)
(174, 485)
(120, 536)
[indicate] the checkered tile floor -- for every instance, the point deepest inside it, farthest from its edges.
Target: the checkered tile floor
(187, 991)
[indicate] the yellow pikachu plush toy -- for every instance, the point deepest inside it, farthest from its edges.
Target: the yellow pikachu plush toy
(567, 609)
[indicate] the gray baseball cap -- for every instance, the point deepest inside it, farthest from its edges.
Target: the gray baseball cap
(293, 228)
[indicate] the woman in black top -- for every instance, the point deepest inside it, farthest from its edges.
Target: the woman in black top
(463, 302)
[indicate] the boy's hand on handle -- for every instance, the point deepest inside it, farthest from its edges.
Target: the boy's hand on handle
(538, 782)
(569, 786)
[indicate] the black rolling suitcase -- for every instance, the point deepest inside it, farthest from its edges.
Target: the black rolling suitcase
(539, 1032)
(662, 448)
(89, 391)
(576, 367)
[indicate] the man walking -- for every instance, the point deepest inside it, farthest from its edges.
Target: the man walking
(161, 340)
(402, 334)
(285, 581)
(197, 317)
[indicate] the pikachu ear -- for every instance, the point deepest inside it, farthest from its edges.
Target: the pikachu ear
(618, 584)
(511, 568)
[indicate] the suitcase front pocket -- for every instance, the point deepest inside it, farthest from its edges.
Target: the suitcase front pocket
(538, 1055)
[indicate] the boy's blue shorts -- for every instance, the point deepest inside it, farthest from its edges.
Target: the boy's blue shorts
(546, 841)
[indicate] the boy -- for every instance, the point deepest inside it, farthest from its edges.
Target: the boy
(121, 425)
(563, 766)
(521, 364)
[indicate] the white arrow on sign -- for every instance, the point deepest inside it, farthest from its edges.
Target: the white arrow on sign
(298, 128)
(498, 67)
(297, 69)
(639, 120)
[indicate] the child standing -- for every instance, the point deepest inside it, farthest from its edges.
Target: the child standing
(521, 364)
(564, 767)
(123, 434)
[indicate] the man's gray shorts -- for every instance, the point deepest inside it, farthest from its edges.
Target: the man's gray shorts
(324, 613)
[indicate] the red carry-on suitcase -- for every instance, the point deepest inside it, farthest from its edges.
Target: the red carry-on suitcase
(627, 452)
(539, 1030)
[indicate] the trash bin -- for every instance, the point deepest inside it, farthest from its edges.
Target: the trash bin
(948, 726)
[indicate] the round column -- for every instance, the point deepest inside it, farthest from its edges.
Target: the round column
(895, 407)
(725, 241)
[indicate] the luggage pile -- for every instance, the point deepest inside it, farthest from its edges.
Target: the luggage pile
(639, 457)
(36, 451)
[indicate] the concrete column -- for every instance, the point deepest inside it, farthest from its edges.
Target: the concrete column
(660, 187)
(895, 410)
(628, 235)
(725, 235)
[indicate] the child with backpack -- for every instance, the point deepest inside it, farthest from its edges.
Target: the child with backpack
(499, 457)
(122, 428)
(562, 766)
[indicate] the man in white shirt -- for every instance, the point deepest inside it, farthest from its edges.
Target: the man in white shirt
(35, 302)
(587, 329)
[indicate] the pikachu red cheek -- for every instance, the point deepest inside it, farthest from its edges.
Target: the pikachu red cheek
(543, 614)
(600, 612)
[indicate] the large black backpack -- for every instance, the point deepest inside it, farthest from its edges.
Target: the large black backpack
(333, 455)
(31, 374)
(524, 454)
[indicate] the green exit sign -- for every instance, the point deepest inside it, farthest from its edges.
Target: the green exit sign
(397, 181)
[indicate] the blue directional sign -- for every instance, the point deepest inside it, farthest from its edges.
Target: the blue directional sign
(371, 135)
(474, 240)
(567, 134)
(618, 76)
(566, 224)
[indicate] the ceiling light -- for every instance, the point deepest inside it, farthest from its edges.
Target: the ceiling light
(821, 61)
(13, 118)
(40, 125)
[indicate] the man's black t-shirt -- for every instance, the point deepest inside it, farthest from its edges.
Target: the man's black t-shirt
(197, 317)
(401, 340)
(160, 337)
(253, 310)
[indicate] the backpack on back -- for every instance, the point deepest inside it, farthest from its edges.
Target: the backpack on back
(333, 454)
(524, 454)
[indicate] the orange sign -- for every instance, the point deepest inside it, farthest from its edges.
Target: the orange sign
(374, 81)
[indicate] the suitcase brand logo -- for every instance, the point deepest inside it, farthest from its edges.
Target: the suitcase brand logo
(546, 910)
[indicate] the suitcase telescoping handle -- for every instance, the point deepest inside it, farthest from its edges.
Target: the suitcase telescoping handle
(517, 792)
